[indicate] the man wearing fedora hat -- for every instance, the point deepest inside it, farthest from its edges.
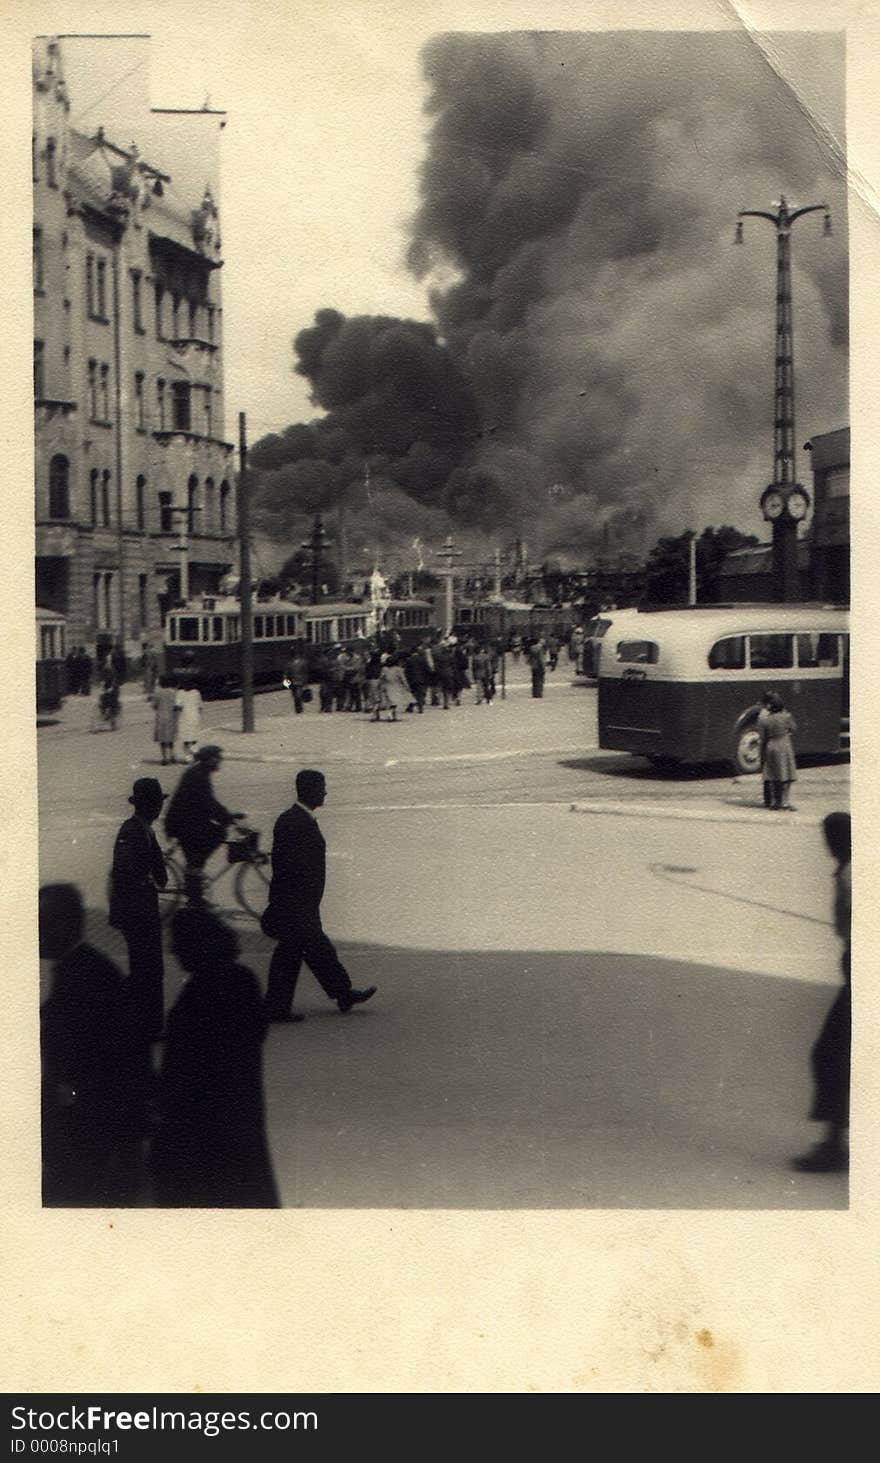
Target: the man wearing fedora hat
(138, 874)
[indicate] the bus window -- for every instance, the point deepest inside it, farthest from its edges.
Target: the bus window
(728, 654)
(771, 652)
(638, 652)
(817, 650)
(217, 627)
(187, 628)
(258, 627)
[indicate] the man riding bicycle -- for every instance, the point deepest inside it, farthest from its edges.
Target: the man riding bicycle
(197, 819)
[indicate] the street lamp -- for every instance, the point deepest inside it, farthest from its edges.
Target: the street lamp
(784, 503)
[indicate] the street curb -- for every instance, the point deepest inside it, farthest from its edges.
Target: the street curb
(699, 815)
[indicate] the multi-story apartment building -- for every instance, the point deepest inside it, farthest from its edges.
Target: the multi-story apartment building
(134, 478)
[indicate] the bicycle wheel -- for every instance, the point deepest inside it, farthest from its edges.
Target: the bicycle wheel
(252, 887)
(171, 895)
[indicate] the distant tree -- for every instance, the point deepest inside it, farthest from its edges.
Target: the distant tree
(666, 567)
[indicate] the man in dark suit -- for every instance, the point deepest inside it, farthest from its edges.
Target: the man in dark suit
(138, 874)
(293, 913)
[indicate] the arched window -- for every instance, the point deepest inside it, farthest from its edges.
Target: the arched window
(210, 509)
(105, 498)
(59, 490)
(93, 495)
(192, 493)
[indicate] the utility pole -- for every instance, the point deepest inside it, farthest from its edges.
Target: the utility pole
(244, 587)
(784, 503)
(449, 553)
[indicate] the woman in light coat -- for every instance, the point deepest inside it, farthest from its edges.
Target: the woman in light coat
(189, 722)
(165, 725)
(777, 751)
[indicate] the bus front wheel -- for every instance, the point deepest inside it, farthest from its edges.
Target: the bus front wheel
(747, 749)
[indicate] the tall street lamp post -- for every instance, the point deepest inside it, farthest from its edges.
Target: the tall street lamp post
(784, 502)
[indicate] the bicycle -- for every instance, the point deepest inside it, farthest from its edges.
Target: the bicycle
(250, 881)
(107, 711)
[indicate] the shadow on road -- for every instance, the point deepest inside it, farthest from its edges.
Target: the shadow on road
(539, 1080)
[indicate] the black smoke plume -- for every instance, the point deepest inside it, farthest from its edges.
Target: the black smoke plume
(601, 370)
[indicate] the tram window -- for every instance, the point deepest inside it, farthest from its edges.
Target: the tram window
(638, 652)
(817, 650)
(258, 627)
(291, 624)
(729, 654)
(771, 652)
(187, 628)
(216, 627)
(234, 628)
(206, 629)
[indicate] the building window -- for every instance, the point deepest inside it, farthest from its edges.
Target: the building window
(137, 306)
(193, 319)
(59, 487)
(142, 600)
(159, 290)
(39, 370)
(209, 310)
(38, 259)
(139, 417)
(166, 517)
(160, 402)
(66, 370)
(101, 288)
(108, 601)
(96, 600)
(93, 496)
(51, 178)
(181, 402)
(192, 493)
(140, 501)
(175, 307)
(207, 404)
(210, 507)
(224, 507)
(90, 283)
(105, 498)
(93, 390)
(105, 403)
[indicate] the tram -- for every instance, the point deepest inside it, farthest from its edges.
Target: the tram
(203, 638)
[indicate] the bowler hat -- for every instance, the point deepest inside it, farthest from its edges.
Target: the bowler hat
(147, 790)
(204, 753)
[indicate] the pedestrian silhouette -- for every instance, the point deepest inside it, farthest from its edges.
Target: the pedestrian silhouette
(93, 1087)
(210, 1149)
(830, 1056)
(138, 874)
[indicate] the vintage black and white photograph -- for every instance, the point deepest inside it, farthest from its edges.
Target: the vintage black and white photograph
(441, 493)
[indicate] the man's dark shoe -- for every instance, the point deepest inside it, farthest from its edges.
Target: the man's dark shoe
(355, 998)
(282, 1018)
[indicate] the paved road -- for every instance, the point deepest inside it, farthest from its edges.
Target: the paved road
(597, 986)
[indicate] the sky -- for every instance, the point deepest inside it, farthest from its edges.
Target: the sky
(621, 347)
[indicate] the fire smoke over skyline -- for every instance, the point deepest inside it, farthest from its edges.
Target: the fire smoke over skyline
(602, 352)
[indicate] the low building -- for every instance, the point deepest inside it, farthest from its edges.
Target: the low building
(134, 477)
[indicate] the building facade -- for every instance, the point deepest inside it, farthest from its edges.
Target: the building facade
(830, 532)
(134, 478)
